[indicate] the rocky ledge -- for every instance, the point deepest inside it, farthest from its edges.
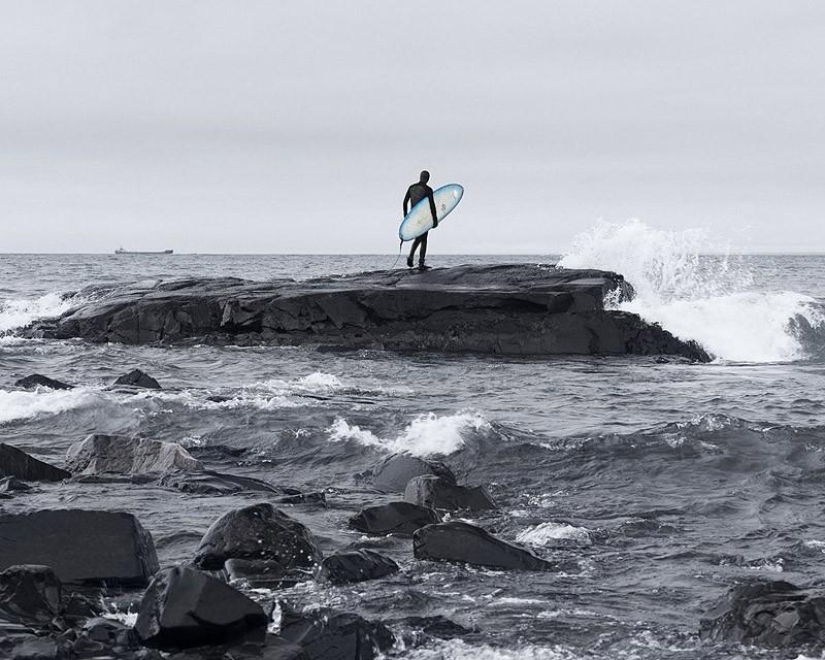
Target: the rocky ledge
(503, 309)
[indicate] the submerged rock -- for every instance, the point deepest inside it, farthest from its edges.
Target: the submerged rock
(268, 573)
(208, 482)
(393, 518)
(357, 566)
(257, 532)
(459, 542)
(183, 607)
(511, 309)
(15, 462)
(39, 380)
(138, 378)
(330, 635)
(102, 454)
(30, 595)
(84, 548)
(393, 473)
(773, 614)
(438, 493)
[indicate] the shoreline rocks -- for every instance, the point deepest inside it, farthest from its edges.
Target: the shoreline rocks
(394, 518)
(438, 493)
(15, 462)
(105, 454)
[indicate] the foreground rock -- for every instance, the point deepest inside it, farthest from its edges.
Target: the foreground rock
(183, 607)
(358, 566)
(84, 548)
(331, 635)
(107, 454)
(459, 542)
(507, 309)
(258, 532)
(393, 473)
(393, 518)
(773, 614)
(39, 380)
(30, 595)
(15, 462)
(438, 493)
(138, 378)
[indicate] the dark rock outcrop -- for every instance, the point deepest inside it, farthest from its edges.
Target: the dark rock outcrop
(773, 614)
(138, 378)
(357, 566)
(208, 482)
(459, 542)
(39, 380)
(393, 518)
(257, 532)
(183, 607)
(331, 635)
(393, 473)
(15, 462)
(106, 454)
(438, 493)
(514, 309)
(30, 595)
(84, 548)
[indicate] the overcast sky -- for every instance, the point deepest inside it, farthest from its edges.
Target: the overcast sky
(296, 127)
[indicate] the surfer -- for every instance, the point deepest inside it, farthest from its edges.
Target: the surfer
(415, 193)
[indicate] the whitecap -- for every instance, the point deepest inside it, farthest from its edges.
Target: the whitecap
(552, 535)
(16, 405)
(20, 312)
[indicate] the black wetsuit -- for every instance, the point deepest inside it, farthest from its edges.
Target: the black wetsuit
(415, 193)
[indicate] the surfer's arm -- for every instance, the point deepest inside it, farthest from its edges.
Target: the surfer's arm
(406, 201)
(432, 209)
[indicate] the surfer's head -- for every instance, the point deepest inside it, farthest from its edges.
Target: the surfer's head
(425, 176)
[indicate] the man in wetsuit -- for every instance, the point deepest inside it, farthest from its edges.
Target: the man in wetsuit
(415, 193)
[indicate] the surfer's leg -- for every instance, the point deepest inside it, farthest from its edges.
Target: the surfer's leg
(412, 252)
(423, 252)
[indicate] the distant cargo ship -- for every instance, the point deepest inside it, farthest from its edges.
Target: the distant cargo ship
(122, 251)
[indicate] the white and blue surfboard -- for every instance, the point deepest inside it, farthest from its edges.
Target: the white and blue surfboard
(420, 219)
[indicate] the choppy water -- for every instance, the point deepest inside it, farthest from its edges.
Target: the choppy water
(657, 485)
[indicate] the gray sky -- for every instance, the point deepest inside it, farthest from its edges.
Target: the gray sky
(297, 126)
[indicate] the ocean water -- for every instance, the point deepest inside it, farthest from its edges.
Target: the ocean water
(655, 486)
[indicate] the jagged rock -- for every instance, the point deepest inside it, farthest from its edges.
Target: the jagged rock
(102, 454)
(11, 484)
(331, 635)
(512, 309)
(138, 378)
(259, 531)
(267, 573)
(459, 542)
(82, 547)
(102, 638)
(30, 594)
(29, 647)
(438, 493)
(773, 614)
(208, 482)
(357, 566)
(393, 473)
(183, 608)
(15, 462)
(39, 380)
(393, 518)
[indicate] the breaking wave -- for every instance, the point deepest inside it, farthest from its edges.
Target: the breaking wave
(685, 285)
(20, 312)
(25, 405)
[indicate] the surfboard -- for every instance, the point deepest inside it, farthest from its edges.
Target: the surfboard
(420, 219)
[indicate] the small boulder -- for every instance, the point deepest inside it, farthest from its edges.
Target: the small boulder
(256, 532)
(358, 566)
(83, 548)
(30, 595)
(330, 635)
(138, 378)
(38, 380)
(117, 454)
(393, 473)
(183, 608)
(208, 482)
(393, 518)
(773, 614)
(459, 542)
(438, 493)
(105, 638)
(15, 462)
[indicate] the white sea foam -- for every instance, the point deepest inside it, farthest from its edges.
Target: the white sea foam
(711, 299)
(19, 312)
(551, 535)
(456, 649)
(16, 405)
(426, 435)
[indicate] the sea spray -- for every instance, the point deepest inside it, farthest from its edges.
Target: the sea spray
(695, 294)
(20, 312)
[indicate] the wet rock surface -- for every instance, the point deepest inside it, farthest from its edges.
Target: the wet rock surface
(503, 309)
(394, 473)
(39, 380)
(438, 493)
(139, 379)
(15, 462)
(393, 518)
(357, 566)
(102, 454)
